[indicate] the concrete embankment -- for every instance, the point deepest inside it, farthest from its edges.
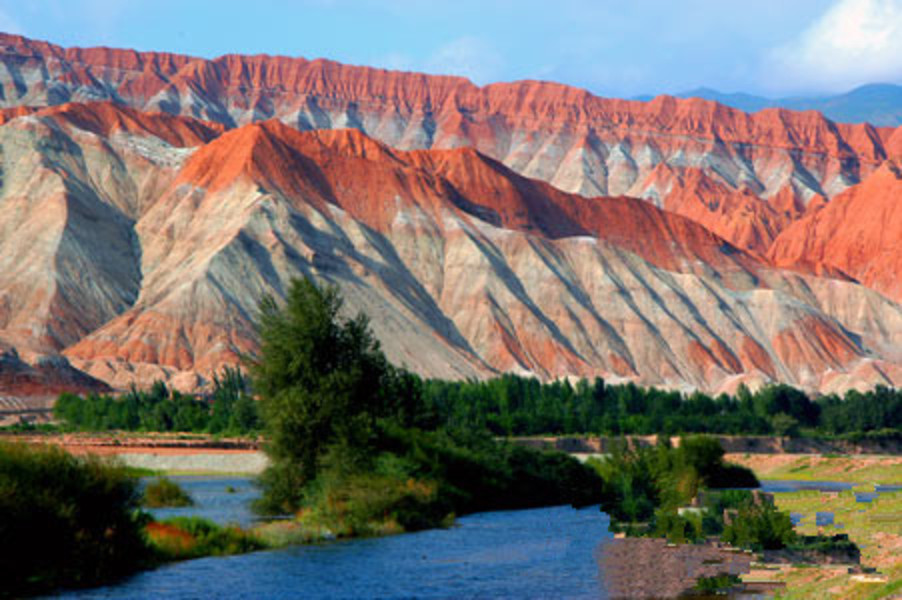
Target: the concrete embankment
(734, 444)
(237, 463)
(172, 453)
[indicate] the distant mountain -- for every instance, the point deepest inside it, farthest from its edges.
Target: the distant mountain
(878, 104)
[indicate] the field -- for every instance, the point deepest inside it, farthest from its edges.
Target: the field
(861, 468)
(875, 526)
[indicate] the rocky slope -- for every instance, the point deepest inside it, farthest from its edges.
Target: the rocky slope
(137, 239)
(48, 376)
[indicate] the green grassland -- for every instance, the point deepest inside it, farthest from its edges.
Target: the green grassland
(875, 526)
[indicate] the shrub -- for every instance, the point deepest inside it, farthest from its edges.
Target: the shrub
(759, 527)
(164, 492)
(717, 583)
(362, 504)
(65, 520)
(679, 529)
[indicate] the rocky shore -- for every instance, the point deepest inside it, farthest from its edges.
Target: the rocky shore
(652, 568)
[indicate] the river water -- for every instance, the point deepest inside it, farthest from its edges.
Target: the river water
(541, 553)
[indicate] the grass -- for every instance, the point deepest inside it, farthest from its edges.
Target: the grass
(875, 526)
(141, 472)
(875, 469)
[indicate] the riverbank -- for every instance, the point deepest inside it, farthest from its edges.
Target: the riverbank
(627, 562)
(200, 454)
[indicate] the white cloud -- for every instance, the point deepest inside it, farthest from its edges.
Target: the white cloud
(854, 42)
(469, 57)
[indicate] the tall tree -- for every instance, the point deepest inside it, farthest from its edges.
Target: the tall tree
(323, 382)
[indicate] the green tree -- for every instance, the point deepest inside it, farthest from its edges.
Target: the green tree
(759, 526)
(323, 383)
(784, 424)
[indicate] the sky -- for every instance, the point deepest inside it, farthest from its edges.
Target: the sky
(618, 48)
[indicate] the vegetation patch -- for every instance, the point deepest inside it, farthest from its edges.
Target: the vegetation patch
(865, 468)
(518, 406)
(181, 538)
(65, 520)
(669, 491)
(874, 527)
(228, 410)
(163, 492)
(717, 584)
(354, 447)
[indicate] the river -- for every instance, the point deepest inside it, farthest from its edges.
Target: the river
(541, 553)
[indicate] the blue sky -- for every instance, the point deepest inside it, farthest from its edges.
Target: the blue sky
(614, 48)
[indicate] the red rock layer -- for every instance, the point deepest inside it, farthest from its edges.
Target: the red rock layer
(105, 119)
(739, 216)
(144, 74)
(319, 166)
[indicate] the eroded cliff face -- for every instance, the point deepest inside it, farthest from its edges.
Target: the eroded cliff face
(524, 227)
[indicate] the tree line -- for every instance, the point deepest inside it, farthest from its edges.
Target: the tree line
(229, 409)
(511, 405)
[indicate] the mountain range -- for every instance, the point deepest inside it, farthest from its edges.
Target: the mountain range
(875, 103)
(149, 200)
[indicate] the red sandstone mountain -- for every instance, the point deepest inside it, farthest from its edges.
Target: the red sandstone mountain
(859, 233)
(139, 240)
(563, 135)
